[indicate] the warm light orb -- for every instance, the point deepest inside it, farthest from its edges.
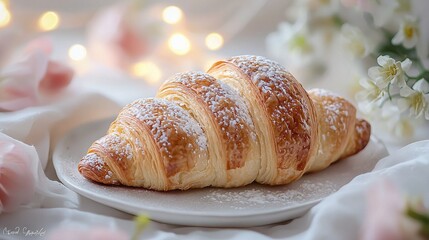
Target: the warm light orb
(147, 70)
(172, 14)
(179, 44)
(5, 15)
(77, 52)
(214, 41)
(49, 21)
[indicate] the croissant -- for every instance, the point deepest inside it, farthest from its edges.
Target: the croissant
(246, 120)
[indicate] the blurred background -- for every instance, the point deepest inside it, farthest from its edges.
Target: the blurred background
(126, 49)
(190, 35)
(139, 42)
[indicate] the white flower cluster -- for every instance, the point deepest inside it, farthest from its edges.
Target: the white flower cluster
(396, 91)
(302, 42)
(390, 82)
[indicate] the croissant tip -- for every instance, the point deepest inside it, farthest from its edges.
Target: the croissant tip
(363, 129)
(216, 65)
(94, 168)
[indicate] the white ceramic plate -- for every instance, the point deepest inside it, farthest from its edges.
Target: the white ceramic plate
(251, 205)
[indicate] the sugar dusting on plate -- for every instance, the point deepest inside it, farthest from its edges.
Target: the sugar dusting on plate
(255, 196)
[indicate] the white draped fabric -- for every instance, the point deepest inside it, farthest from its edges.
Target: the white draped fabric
(55, 210)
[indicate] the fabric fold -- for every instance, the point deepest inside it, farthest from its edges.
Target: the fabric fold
(339, 216)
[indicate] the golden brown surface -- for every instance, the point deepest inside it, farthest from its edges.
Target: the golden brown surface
(247, 120)
(340, 133)
(225, 118)
(217, 101)
(287, 108)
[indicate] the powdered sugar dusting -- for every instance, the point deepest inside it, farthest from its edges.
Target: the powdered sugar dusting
(335, 109)
(163, 115)
(215, 94)
(254, 197)
(324, 93)
(93, 161)
(118, 146)
(240, 108)
(360, 129)
(335, 115)
(287, 107)
(108, 175)
(178, 136)
(229, 110)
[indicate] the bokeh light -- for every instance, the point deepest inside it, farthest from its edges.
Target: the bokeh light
(49, 21)
(5, 15)
(172, 14)
(214, 41)
(147, 70)
(179, 44)
(77, 52)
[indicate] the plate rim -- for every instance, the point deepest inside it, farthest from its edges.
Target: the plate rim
(87, 193)
(56, 159)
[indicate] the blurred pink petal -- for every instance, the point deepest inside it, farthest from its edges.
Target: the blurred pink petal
(19, 81)
(43, 44)
(112, 39)
(94, 233)
(385, 216)
(118, 36)
(129, 42)
(23, 82)
(17, 178)
(57, 76)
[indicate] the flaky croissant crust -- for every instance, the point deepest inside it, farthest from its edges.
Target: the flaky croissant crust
(247, 119)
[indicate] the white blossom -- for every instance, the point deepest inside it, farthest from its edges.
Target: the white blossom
(316, 9)
(389, 71)
(370, 97)
(408, 33)
(355, 41)
(389, 119)
(394, 121)
(298, 48)
(290, 38)
(416, 100)
(323, 7)
(386, 12)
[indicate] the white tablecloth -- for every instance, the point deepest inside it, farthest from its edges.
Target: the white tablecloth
(339, 216)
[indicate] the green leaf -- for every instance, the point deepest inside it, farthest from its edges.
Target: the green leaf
(422, 218)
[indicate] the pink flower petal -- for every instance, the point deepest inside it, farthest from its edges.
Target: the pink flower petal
(116, 38)
(24, 82)
(57, 76)
(94, 233)
(384, 213)
(129, 42)
(17, 180)
(106, 234)
(19, 87)
(43, 44)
